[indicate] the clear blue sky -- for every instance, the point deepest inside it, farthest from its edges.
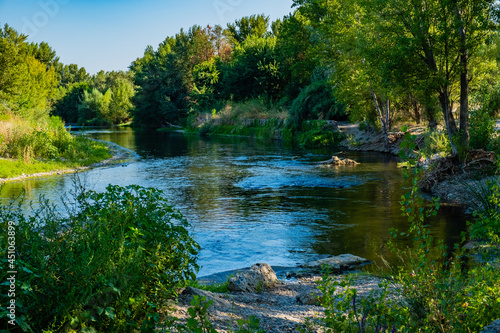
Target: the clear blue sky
(110, 34)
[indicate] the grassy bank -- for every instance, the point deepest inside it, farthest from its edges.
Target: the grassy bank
(31, 146)
(255, 119)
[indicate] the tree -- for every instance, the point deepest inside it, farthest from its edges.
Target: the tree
(254, 25)
(44, 53)
(70, 74)
(26, 84)
(94, 108)
(254, 71)
(120, 106)
(440, 38)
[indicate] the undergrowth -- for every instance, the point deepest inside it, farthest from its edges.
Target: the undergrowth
(429, 292)
(29, 146)
(108, 264)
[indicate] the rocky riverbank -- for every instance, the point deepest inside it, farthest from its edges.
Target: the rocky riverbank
(282, 301)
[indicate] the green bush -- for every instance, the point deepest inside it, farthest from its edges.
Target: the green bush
(316, 101)
(44, 138)
(486, 226)
(482, 130)
(109, 266)
(317, 133)
(432, 291)
(435, 143)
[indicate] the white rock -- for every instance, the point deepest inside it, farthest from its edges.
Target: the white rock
(340, 262)
(259, 277)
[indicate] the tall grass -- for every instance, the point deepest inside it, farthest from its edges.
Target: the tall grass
(252, 109)
(29, 145)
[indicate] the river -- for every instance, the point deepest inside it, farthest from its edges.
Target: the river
(252, 200)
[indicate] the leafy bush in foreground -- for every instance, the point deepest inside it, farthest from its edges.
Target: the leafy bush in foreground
(110, 266)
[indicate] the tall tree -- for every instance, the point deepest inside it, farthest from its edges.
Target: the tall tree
(254, 25)
(439, 38)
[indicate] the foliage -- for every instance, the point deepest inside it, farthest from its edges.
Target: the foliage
(248, 26)
(69, 100)
(252, 109)
(435, 142)
(430, 292)
(29, 139)
(221, 287)
(319, 134)
(94, 107)
(486, 226)
(25, 82)
(199, 322)
(345, 311)
(109, 264)
(316, 101)
(254, 71)
(103, 99)
(482, 130)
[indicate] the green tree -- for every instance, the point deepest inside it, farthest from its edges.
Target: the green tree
(254, 71)
(94, 108)
(44, 53)
(70, 98)
(254, 25)
(120, 106)
(439, 38)
(70, 74)
(25, 83)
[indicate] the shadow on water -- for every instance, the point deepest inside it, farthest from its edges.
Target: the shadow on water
(261, 201)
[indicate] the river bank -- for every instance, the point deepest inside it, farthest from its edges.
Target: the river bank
(279, 308)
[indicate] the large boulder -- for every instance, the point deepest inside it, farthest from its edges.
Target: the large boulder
(337, 263)
(494, 327)
(257, 278)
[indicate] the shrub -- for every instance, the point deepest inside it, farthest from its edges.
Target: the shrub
(432, 290)
(487, 223)
(316, 101)
(110, 265)
(435, 143)
(319, 134)
(482, 130)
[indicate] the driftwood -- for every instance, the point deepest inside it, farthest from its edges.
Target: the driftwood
(336, 161)
(444, 168)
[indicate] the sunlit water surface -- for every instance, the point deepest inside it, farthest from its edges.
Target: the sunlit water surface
(254, 201)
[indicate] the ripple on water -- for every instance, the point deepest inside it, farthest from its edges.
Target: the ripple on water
(277, 181)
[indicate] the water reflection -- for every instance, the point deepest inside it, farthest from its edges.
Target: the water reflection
(260, 201)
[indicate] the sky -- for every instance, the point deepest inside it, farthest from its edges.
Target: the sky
(110, 34)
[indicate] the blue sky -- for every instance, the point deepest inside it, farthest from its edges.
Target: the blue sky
(110, 34)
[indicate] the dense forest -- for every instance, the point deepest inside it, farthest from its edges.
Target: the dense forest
(377, 62)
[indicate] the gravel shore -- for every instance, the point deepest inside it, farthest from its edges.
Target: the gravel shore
(277, 308)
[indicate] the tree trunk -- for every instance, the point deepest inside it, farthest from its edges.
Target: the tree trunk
(464, 85)
(388, 120)
(381, 118)
(451, 126)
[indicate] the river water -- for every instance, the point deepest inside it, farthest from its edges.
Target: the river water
(254, 200)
